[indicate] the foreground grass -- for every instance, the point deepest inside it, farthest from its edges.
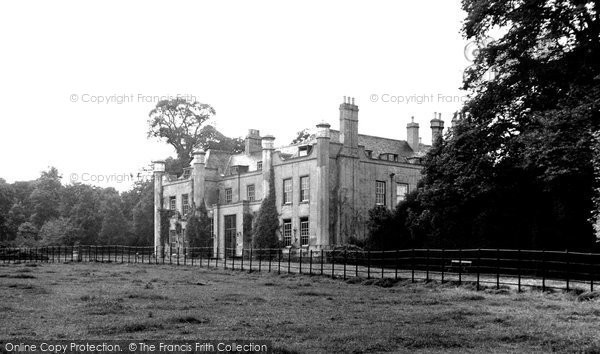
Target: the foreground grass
(298, 313)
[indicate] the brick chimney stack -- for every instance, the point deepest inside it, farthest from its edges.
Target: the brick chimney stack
(349, 126)
(412, 133)
(252, 142)
(437, 127)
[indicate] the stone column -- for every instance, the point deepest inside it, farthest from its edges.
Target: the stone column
(323, 188)
(267, 162)
(198, 176)
(159, 170)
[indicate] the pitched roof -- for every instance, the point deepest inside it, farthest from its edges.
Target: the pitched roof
(378, 145)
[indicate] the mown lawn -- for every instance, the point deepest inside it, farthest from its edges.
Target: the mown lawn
(298, 313)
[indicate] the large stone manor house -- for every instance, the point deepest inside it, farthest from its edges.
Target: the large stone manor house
(324, 185)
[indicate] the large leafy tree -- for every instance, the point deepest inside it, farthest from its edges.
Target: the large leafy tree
(6, 202)
(81, 203)
(179, 122)
(517, 169)
(58, 232)
(142, 215)
(45, 197)
(114, 226)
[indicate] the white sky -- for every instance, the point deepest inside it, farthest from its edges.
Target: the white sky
(270, 65)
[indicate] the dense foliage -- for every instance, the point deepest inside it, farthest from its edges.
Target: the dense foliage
(517, 170)
(198, 231)
(44, 212)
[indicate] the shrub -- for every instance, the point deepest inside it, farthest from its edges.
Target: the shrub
(267, 220)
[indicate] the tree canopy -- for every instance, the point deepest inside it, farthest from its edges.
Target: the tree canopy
(517, 170)
(179, 122)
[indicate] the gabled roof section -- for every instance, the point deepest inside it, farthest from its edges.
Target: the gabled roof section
(242, 160)
(217, 159)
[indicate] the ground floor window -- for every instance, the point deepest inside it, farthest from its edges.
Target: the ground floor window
(401, 192)
(380, 192)
(304, 231)
(287, 232)
(230, 232)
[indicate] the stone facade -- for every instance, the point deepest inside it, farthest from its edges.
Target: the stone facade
(324, 185)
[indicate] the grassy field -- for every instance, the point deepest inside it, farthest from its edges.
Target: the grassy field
(298, 313)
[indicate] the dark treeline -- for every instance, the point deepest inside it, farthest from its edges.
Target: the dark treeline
(517, 169)
(44, 212)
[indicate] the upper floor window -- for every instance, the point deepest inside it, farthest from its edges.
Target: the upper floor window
(401, 192)
(228, 195)
(287, 191)
(304, 231)
(304, 188)
(185, 203)
(287, 232)
(389, 157)
(259, 165)
(380, 192)
(250, 192)
(304, 150)
(173, 203)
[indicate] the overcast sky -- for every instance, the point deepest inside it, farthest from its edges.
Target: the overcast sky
(276, 66)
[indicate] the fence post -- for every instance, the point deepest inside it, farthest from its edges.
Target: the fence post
(427, 267)
(332, 264)
(519, 270)
(568, 267)
(310, 263)
(396, 266)
(443, 263)
(498, 268)
(279, 255)
(382, 263)
(322, 250)
(369, 264)
(300, 264)
(460, 266)
(184, 255)
(250, 258)
(242, 261)
(362, 256)
(95, 253)
(591, 265)
(270, 258)
(478, 266)
(260, 260)
(191, 256)
(233, 260)
(345, 262)
(289, 259)
(543, 271)
(412, 261)
(225, 259)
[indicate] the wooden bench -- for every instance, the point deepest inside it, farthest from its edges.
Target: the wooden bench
(460, 264)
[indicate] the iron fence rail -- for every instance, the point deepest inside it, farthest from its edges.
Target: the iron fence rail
(498, 267)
